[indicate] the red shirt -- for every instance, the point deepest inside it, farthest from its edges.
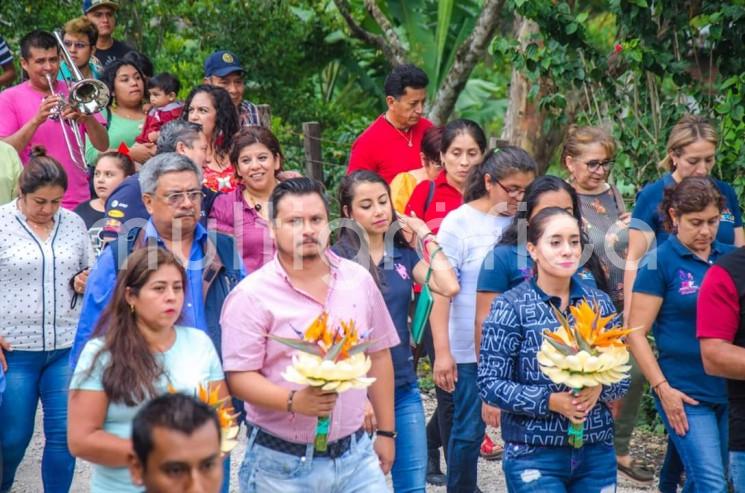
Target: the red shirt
(445, 199)
(718, 306)
(157, 117)
(384, 149)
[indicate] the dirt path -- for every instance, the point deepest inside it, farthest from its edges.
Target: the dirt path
(491, 479)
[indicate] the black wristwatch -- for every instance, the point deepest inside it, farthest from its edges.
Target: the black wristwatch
(384, 433)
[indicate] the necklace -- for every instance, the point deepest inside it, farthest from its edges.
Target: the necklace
(253, 202)
(407, 136)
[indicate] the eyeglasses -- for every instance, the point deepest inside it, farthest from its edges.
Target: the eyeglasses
(79, 45)
(513, 192)
(595, 164)
(176, 198)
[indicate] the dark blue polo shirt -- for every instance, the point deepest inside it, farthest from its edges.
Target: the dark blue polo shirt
(506, 266)
(677, 279)
(126, 210)
(396, 278)
(647, 209)
(396, 271)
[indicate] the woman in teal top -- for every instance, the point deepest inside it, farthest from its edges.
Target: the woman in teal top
(138, 353)
(125, 116)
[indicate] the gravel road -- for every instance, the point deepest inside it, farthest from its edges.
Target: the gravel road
(28, 479)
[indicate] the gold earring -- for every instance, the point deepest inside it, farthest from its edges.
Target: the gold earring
(132, 308)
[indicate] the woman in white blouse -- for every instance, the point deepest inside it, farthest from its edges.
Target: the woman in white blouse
(44, 257)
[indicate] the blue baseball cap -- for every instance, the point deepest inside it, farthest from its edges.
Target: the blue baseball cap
(89, 5)
(222, 63)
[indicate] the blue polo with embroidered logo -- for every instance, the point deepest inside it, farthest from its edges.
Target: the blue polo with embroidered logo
(677, 279)
(396, 277)
(510, 378)
(506, 266)
(647, 209)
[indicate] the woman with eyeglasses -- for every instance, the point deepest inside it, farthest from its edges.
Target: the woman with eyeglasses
(588, 155)
(493, 190)
(691, 151)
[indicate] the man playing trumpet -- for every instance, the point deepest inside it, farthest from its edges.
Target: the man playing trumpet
(26, 110)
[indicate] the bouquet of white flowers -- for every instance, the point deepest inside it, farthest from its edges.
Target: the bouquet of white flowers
(332, 359)
(584, 355)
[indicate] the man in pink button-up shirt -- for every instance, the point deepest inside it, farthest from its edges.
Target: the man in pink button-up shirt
(282, 299)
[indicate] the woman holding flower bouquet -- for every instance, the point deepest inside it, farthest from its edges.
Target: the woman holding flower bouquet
(138, 353)
(376, 240)
(536, 413)
(692, 404)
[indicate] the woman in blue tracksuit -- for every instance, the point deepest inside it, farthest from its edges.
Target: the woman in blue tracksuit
(536, 413)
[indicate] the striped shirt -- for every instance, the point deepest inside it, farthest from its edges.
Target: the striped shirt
(5, 55)
(37, 303)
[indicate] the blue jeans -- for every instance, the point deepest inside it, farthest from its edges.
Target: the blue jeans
(671, 470)
(410, 467)
(33, 375)
(467, 432)
(533, 469)
(737, 470)
(704, 448)
(267, 471)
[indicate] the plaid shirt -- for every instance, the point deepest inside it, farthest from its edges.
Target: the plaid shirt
(249, 114)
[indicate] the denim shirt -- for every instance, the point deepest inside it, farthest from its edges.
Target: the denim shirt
(510, 378)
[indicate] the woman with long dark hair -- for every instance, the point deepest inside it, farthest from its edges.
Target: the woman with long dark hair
(211, 107)
(125, 113)
(462, 147)
(492, 193)
(372, 235)
(137, 352)
(536, 413)
(257, 158)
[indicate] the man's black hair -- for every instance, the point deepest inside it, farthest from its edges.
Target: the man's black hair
(166, 82)
(403, 76)
(177, 412)
(297, 186)
(37, 39)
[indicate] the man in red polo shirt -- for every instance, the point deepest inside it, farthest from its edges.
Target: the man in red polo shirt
(393, 142)
(720, 329)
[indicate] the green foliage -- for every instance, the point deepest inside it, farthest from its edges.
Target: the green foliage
(636, 69)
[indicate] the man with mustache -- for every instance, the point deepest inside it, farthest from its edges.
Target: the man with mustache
(28, 119)
(176, 446)
(281, 299)
(172, 194)
(392, 143)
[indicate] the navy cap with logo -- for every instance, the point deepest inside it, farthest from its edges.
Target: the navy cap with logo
(222, 63)
(89, 5)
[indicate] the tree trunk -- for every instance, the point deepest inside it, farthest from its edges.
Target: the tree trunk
(468, 54)
(524, 122)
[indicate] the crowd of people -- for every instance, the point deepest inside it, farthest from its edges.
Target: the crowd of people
(182, 254)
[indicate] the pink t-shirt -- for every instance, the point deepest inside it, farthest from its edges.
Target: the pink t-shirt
(18, 105)
(266, 303)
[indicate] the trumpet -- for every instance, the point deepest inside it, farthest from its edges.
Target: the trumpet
(86, 96)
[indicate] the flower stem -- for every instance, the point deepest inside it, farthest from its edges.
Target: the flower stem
(322, 433)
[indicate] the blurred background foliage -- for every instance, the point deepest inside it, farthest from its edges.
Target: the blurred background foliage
(634, 66)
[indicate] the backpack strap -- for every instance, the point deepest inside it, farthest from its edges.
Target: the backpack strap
(430, 197)
(135, 239)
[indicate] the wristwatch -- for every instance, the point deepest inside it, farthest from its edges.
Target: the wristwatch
(389, 434)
